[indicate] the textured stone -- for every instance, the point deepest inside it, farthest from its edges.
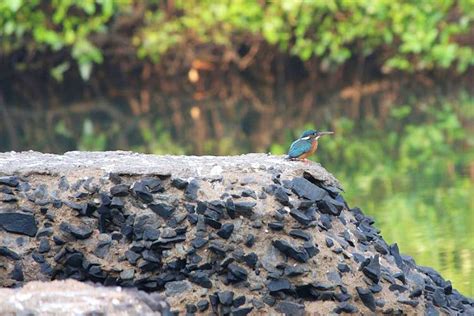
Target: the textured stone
(367, 298)
(19, 223)
(305, 189)
(297, 253)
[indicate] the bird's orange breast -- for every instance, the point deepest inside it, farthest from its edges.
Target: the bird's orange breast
(314, 146)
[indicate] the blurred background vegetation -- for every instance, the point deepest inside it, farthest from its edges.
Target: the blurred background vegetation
(394, 79)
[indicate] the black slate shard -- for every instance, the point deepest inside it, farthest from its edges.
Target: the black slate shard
(297, 253)
(44, 245)
(19, 222)
(326, 206)
(249, 193)
(412, 303)
(119, 190)
(301, 234)
(217, 248)
(225, 297)
(325, 222)
(395, 252)
(250, 240)
(277, 226)
(397, 287)
(11, 181)
(238, 301)
(79, 232)
(367, 298)
(141, 191)
(343, 268)
(301, 217)
(8, 253)
(226, 231)
(372, 269)
(236, 273)
(200, 278)
(311, 248)
(251, 259)
(198, 242)
(17, 273)
(305, 189)
(281, 196)
(163, 210)
(191, 192)
(289, 308)
(346, 307)
(202, 305)
(244, 208)
(243, 311)
(277, 285)
(153, 184)
(329, 242)
(178, 183)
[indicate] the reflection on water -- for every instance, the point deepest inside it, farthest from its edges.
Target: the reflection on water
(407, 162)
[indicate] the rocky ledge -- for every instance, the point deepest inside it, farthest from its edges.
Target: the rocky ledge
(251, 234)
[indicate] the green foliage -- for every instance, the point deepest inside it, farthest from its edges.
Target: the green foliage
(406, 35)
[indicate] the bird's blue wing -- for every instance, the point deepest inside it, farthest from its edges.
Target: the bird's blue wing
(299, 147)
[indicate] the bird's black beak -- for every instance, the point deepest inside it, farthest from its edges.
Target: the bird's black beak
(325, 133)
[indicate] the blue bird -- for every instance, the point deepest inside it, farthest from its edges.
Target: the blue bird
(306, 145)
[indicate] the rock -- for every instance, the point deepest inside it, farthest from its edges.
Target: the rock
(19, 223)
(301, 234)
(277, 285)
(397, 287)
(44, 245)
(218, 248)
(243, 311)
(79, 232)
(343, 268)
(439, 298)
(8, 253)
(251, 259)
(249, 193)
(202, 305)
(297, 253)
(198, 242)
(412, 303)
(250, 240)
(345, 307)
(305, 189)
(177, 288)
(141, 191)
(290, 308)
(191, 190)
(281, 196)
(277, 226)
(119, 190)
(226, 297)
(163, 210)
(132, 256)
(226, 231)
(179, 183)
(300, 217)
(244, 208)
(329, 242)
(372, 269)
(127, 274)
(17, 273)
(191, 308)
(367, 298)
(239, 301)
(238, 273)
(200, 278)
(11, 181)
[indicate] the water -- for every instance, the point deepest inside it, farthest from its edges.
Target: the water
(407, 161)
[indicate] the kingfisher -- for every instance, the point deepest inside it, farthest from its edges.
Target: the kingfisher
(306, 145)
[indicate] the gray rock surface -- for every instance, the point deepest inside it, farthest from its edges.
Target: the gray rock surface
(76, 298)
(162, 224)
